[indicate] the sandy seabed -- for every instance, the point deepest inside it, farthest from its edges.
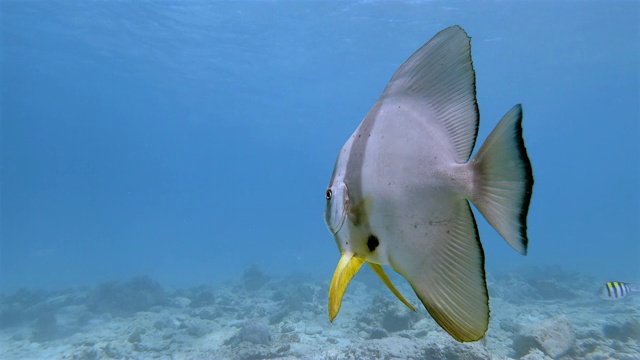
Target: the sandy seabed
(535, 314)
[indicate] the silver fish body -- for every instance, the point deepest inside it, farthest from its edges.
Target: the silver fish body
(400, 188)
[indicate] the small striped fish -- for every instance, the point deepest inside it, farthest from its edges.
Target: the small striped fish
(614, 290)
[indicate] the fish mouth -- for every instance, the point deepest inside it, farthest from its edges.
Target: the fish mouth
(335, 228)
(341, 222)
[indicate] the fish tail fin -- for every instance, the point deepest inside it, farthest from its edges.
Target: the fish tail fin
(503, 180)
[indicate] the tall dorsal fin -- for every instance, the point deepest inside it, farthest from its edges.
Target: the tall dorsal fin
(440, 75)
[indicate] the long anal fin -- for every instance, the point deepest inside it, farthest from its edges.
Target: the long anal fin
(449, 279)
(385, 279)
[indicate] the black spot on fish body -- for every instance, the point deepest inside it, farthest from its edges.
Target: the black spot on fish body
(372, 242)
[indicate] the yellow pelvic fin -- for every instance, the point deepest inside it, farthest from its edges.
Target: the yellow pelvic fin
(347, 267)
(385, 279)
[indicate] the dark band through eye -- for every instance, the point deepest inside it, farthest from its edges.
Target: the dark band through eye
(328, 194)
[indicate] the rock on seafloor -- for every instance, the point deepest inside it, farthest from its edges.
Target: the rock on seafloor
(554, 336)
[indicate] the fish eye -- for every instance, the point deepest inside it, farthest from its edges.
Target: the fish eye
(328, 194)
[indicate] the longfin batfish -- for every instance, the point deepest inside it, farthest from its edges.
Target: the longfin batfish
(400, 190)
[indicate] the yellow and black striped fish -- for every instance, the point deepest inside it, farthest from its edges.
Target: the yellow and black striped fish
(614, 290)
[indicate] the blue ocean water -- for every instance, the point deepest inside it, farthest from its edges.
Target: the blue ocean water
(188, 141)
